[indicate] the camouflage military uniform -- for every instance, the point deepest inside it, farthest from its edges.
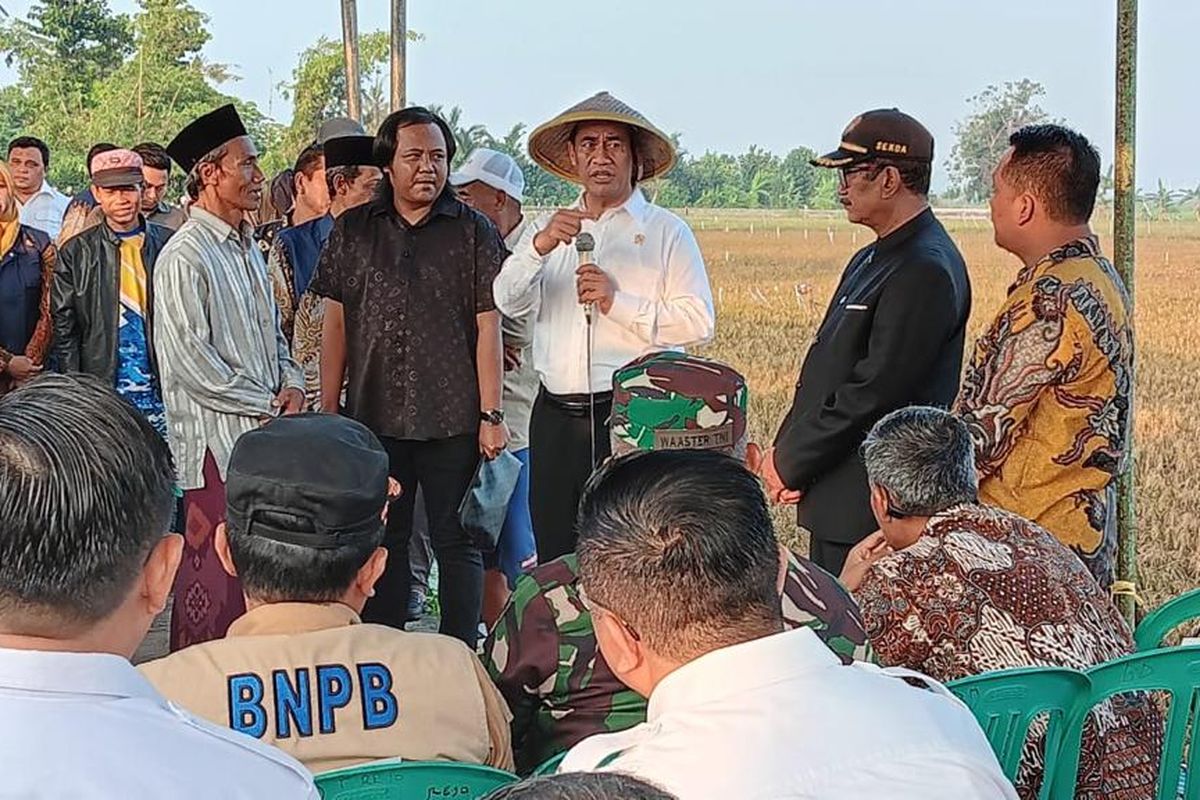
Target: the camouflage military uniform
(542, 653)
(675, 401)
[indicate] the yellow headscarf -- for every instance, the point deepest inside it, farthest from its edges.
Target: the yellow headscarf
(10, 223)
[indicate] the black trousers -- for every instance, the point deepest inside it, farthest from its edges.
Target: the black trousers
(560, 462)
(829, 556)
(442, 469)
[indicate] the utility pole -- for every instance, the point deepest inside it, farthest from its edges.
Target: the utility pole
(399, 53)
(350, 44)
(1124, 238)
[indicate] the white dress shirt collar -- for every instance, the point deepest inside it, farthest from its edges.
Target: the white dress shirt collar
(757, 663)
(514, 236)
(98, 674)
(45, 190)
(635, 206)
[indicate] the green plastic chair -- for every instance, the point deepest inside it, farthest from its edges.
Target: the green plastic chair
(1166, 618)
(1008, 701)
(1174, 670)
(550, 765)
(411, 780)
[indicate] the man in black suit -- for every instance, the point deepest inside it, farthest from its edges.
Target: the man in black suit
(892, 337)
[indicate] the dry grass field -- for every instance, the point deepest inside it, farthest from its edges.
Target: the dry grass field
(773, 273)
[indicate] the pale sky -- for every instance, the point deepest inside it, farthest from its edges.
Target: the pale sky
(776, 73)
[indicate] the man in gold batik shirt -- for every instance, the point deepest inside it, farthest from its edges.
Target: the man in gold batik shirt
(1049, 392)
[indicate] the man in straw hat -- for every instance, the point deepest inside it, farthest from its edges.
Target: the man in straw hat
(223, 361)
(646, 290)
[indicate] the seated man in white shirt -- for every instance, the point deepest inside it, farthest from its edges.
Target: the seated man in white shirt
(86, 495)
(680, 565)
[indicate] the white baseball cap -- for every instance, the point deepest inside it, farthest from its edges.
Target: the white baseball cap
(496, 169)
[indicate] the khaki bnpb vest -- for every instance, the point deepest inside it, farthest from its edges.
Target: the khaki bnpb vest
(342, 695)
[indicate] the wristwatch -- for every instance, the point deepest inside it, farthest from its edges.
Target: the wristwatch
(493, 416)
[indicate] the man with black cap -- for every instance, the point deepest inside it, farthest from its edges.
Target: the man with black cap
(299, 670)
(351, 178)
(892, 337)
(224, 364)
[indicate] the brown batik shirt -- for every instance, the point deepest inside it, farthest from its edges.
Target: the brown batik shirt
(984, 590)
(410, 295)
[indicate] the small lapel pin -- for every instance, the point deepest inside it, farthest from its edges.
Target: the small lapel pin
(640, 239)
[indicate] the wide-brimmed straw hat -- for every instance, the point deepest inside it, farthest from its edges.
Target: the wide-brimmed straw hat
(548, 143)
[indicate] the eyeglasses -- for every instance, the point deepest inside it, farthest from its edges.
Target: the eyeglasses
(845, 173)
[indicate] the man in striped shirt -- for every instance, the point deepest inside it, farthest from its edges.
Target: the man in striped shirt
(224, 364)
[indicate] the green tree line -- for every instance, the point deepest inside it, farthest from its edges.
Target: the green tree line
(88, 75)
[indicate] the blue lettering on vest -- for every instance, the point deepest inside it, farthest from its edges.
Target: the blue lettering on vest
(379, 705)
(246, 713)
(292, 703)
(333, 692)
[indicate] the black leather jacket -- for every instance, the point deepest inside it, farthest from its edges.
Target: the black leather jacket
(85, 294)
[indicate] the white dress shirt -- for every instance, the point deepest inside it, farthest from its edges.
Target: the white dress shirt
(45, 210)
(89, 725)
(663, 300)
(222, 356)
(782, 718)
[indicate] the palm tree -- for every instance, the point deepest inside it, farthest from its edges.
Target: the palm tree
(1191, 197)
(510, 143)
(466, 138)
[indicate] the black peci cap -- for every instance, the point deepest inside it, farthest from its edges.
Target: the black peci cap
(882, 133)
(326, 473)
(349, 151)
(204, 135)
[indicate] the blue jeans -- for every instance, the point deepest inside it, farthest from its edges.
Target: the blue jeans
(516, 552)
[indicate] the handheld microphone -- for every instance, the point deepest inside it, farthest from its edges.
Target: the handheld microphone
(585, 244)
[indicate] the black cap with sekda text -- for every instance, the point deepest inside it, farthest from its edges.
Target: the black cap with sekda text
(882, 133)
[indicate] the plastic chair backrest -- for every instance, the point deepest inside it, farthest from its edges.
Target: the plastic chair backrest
(1175, 670)
(1166, 618)
(550, 765)
(411, 780)
(1007, 702)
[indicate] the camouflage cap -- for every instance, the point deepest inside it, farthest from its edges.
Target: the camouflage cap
(675, 401)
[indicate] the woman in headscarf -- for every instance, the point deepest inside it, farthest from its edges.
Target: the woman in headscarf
(26, 264)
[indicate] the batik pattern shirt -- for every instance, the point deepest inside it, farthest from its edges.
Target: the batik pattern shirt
(1048, 398)
(135, 375)
(984, 590)
(543, 656)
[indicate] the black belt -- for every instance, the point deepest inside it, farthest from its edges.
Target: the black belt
(575, 403)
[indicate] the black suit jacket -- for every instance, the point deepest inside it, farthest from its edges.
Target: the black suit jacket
(85, 298)
(892, 337)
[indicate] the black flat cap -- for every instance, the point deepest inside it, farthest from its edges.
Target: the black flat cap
(313, 480)
(349, 151)
(204, 135)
